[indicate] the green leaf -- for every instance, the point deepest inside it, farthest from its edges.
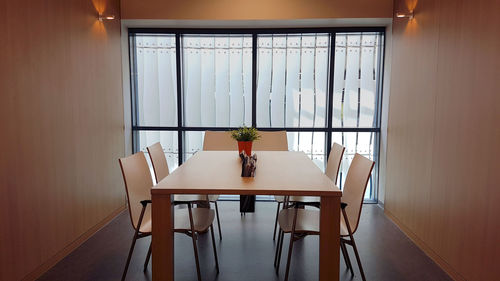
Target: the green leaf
(245, 134)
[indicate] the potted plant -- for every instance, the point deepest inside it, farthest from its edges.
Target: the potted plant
(245, 137)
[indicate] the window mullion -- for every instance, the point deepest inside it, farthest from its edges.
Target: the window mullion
(254, 80)
(134, 90)
(330, 96)
(178, 64)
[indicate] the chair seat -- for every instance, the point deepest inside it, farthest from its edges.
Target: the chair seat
(307, 221)
(196, 197)
(202, 218)
(190, 197)
(306, 199)
(279, 198)
(213, 197)
(146, 225)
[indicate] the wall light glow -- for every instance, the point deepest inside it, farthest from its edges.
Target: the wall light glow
(408, 15)
(102, 17)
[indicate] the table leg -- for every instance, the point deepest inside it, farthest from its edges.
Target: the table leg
(329, 239)
(163, 238)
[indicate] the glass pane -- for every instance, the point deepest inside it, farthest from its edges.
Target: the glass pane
(156, 82)
(357, 57)
(217, 80)
(193, 142)
(292, 80)
(364, 143)
(311, 143)
(168, 140)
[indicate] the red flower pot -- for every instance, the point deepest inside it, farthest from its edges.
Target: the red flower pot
(246, 146)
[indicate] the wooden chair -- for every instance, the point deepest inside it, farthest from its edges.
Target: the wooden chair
(138, 183)
(332, 171)
(219, 141)
(271, 141)
(302, 222)
(160, 168)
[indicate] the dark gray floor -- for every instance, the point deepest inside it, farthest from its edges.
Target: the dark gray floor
(247, 252)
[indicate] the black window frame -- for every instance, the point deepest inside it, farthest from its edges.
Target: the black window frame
(254, 32)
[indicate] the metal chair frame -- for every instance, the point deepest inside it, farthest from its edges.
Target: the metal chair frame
(191, 233)
(314, 204)
(297, 236)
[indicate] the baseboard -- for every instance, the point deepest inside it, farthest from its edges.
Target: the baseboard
(381, 205)
(39, 271)
(424, 247)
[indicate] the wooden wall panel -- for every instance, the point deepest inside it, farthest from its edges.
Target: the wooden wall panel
(61, 127)
(443, 153)
(254, 10)
(411, 114)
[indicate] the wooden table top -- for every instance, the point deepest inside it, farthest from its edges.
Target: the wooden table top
(277, 173)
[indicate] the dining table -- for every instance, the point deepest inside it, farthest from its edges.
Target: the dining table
(287, 173)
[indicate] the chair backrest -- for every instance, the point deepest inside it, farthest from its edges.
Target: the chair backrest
(355, 187)
(219, 140)
(159, 161)
(334, 160)
(138, 183)
(271, 141)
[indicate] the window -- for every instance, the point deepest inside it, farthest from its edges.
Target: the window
(292, 80)
(217, 80)
(321, 85)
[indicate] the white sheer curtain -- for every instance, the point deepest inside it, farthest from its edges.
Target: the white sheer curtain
(217, 80)
(157, 92)
(357, 57)
(292, 80)
(355, 77)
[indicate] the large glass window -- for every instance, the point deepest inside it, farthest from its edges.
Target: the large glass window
(321, 85)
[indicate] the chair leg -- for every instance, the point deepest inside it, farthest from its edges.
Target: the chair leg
(129, 255)
(290, 248)
(358, 259)
(195, 248)
(347, 260)
(277, 248)
(193, 237)
(215, 249)
(218, 220)
(353, 244)
(136, 234)
(280, 250)
(276, 220)
(147, 258)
